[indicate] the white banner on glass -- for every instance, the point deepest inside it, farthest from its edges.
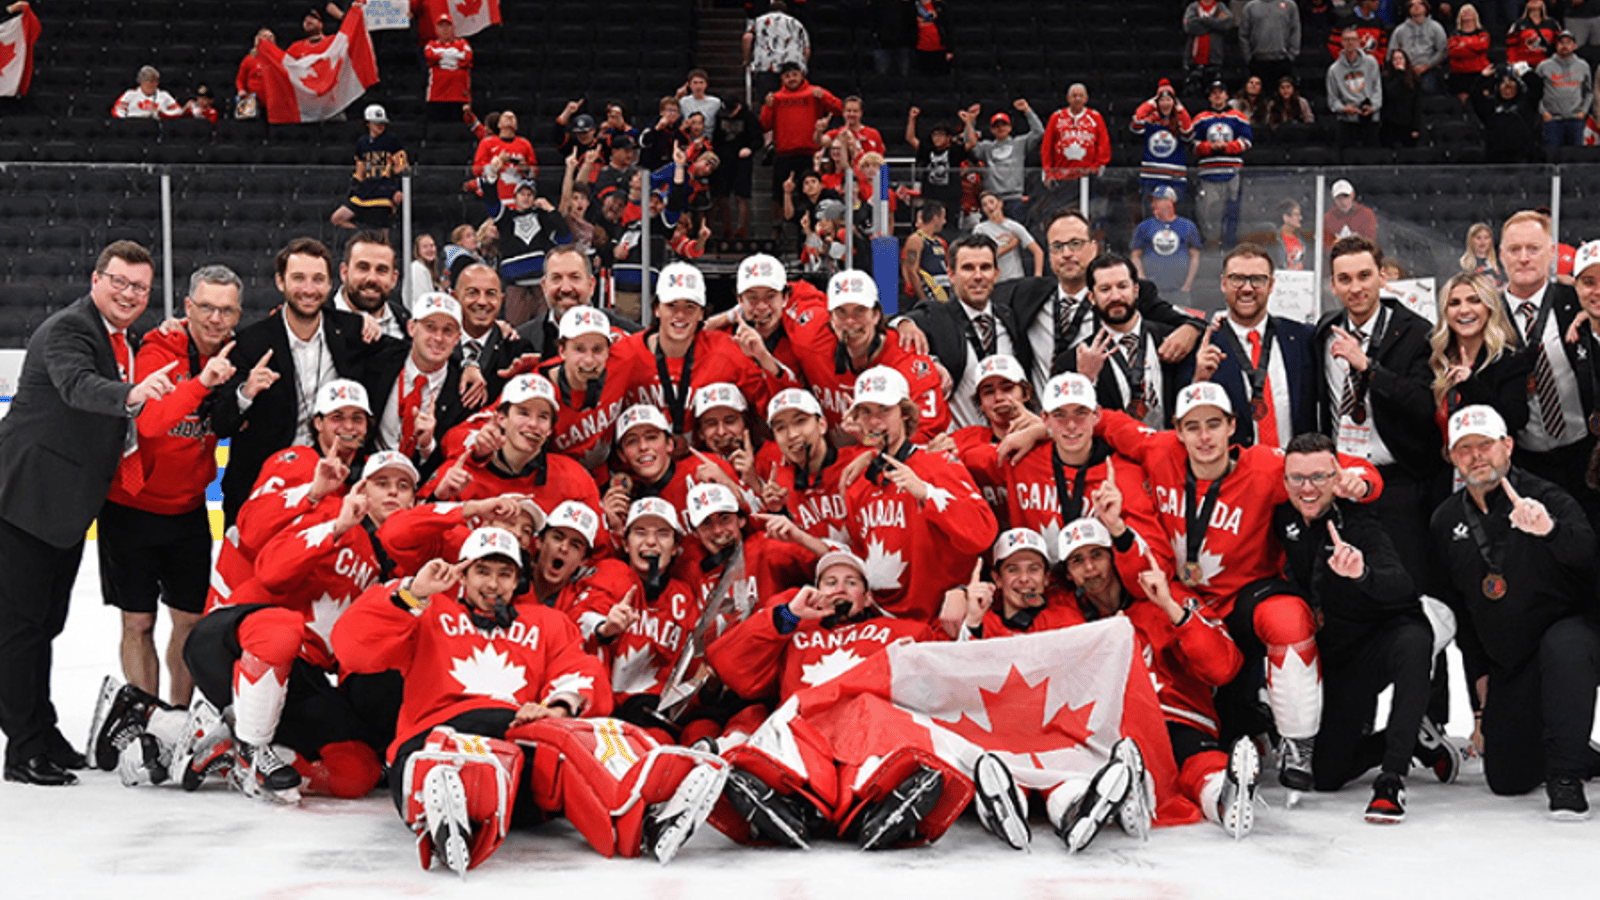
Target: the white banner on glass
(388, 15)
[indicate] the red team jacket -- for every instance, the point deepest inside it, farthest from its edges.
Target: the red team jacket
(834, 384)
(818, 506)
(640, 659)
(176, 447)
(278, 499)
(717, 358)
(1075, 142)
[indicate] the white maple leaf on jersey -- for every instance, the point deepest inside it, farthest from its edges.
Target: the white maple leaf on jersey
(939, 497)
(1076, 152)
(883, 568)
(325, 611)
(838, 534)
(316, 534)
(489, 672)
(1052, 538)
(292, 496)
(828, 667)
(631, 673)
(1210, 563)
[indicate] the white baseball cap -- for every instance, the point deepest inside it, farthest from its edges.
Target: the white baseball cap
(882, 385)
(646, 507)
(1476, 419)
(1202, 393)
(634, 416)
(491, 541)
(707, 499)
(436, 303)
(576, 516)
(1001, 365)
(681, 281)
(1587, 255)
(339, 393)
(760, 270)
(1018, 539)
(720, 394)
(529, 386)
(851, 287)
(527, 505)
(375, 113)
(837, 557)
(1343, 187)
(581, 320)
(1069, 389)
(796, 399)
(1082, 533)
(389, 459)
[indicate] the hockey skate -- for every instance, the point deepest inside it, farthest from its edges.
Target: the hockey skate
(1236, 801)
(444, 803)
(260, 772)
(1099, 803)
(1388, 806)
(1137, 811)
(120, 715)
(999, 804)
(669, 825)
(771, 815)
(894, 818)
(1294, 763)
(1435, 751)
(206, 747)
(141, 763)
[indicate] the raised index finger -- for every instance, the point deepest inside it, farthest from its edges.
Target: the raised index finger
(1511, 492)
(263, 360)
(977, 572)
(1111, 472)
(1334, 533)
(226, 349)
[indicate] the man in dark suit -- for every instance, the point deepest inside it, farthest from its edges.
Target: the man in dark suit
(485, 345)
(415, 387)
(972, 327)
(567, 282)
(291, 353)
(1123, 358)
(69, 426)
(1376, 400)
(367, 279)
(1281, 394)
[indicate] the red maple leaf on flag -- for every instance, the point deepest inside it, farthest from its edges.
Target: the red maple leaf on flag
(8, 52)
(469, 8)
(323, 76)
(1017, 723)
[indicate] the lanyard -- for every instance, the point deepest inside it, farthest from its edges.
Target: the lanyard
(881, 462)
(676, 394)
(1257, 375)
(1065, 498)
(1197, 521)
(591, 391)
(1133, 373)
(802, 474)
(1494, 558)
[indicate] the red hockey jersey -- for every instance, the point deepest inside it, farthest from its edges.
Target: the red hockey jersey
(639, 660)
(1033, 496)
(177, 450)
(770, 567)
(717, 358)
(279, 497)
(817, 504)
(834, 383)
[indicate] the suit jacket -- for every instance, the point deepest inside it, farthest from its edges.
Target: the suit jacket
(1292, 343)
(542, 334)
(269, 424)
(62, 440)
(1565, 308)
(1173, 375)
(1503, 384)
(1028, 296)
(1399, 383)
(499, 352)
(383, 375)
(946, 326)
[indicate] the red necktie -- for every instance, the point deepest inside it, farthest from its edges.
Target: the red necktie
(410, 405)
(130, 474)
(1267, 425)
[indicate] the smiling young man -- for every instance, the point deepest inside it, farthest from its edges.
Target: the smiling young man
(806, 487)
(416, 389)
(591, 386)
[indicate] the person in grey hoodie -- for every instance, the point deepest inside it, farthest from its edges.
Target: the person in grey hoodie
(1355, 93)
(1568, 91)
(1005, 155)
(1425, 43)
(1269, 30)
(1210, 28)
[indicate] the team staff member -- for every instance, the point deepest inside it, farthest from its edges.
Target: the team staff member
(154, 531)
(60, 446)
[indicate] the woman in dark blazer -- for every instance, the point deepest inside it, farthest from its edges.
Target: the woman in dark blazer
(1477, 357)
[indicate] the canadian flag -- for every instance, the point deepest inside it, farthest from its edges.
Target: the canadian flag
(319, 86)
(16, 53)
(1051, 705)
(469, 16)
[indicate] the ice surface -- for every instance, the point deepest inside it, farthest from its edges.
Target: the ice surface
(101, 840)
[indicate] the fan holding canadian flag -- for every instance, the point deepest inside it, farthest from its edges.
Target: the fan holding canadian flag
(320, 85)
(16, 50)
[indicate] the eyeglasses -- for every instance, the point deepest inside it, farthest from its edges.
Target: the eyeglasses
(1320, 479)
(1237, 280)
(207, 311)
(122, 284)
(1073, 245)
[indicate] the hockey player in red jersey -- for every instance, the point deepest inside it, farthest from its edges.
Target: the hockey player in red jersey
(1005, 398)
(591, 386)
(907, 505)
(722, 428)
(1215, 503)
(645, 467)
(771, 311)
(429, 531)
(805, 637)
(492, 687)
(1024, 596)
(805, 487)
(858, 339)
(565, 544)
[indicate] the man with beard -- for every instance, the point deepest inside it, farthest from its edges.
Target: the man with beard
(367, 279)
(568, 282)
(805, 487)
(269, 405)
(1123, 359)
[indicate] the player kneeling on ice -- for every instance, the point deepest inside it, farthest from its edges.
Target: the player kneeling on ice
(492, 687)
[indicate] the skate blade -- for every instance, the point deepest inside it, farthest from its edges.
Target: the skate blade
(1111, 787)
(698, 793)
(996, 804)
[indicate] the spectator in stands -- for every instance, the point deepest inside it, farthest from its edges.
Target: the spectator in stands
(692, 98)
(1568, 94)
(790, 115)
(423, 274)
(1166, 247)
(1291, 240)
(619, 167)
(1355, 93)
(1372, 30)
(1347, 217)
(1286, 105)
(573, 128)
(1424, 42)
(375, 189)
(771, 43)
(894, 22)
(249, 102)
(1211, 28)
(1402, 102)
(529, 226)
(1509, 111)
(517, 161)
(866, 137)
(1475, 358)
(826, 240)
(1252, 101)
(735, 141)
(1221, 136)
(461, 252)
(1076, 142)
(799, 200)
(933, 38)
(1479, 257)
(615, 126)
(575, 203)
(939, 162)
(1269, 31)
(1581, 19)
(315, 32)
(148, 100)
(203, 106)
(449, 60)
(1469, 51)
(1010, 239)
(924, 269)
(367, 279)
(1005, 156)
(657, 141)
(1532, 38)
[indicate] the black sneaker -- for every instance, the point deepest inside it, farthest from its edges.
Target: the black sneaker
(1435, 751)
(1388, 806)
(894, 819)
(1567, 801)
(772, 816)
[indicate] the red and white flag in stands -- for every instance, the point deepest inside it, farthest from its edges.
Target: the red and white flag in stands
(16, 53)
(469, 16)
(319, 86)
(1050, 704)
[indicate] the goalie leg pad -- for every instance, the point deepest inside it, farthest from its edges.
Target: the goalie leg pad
(897, 767)
(579, 769)
(487, 768)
